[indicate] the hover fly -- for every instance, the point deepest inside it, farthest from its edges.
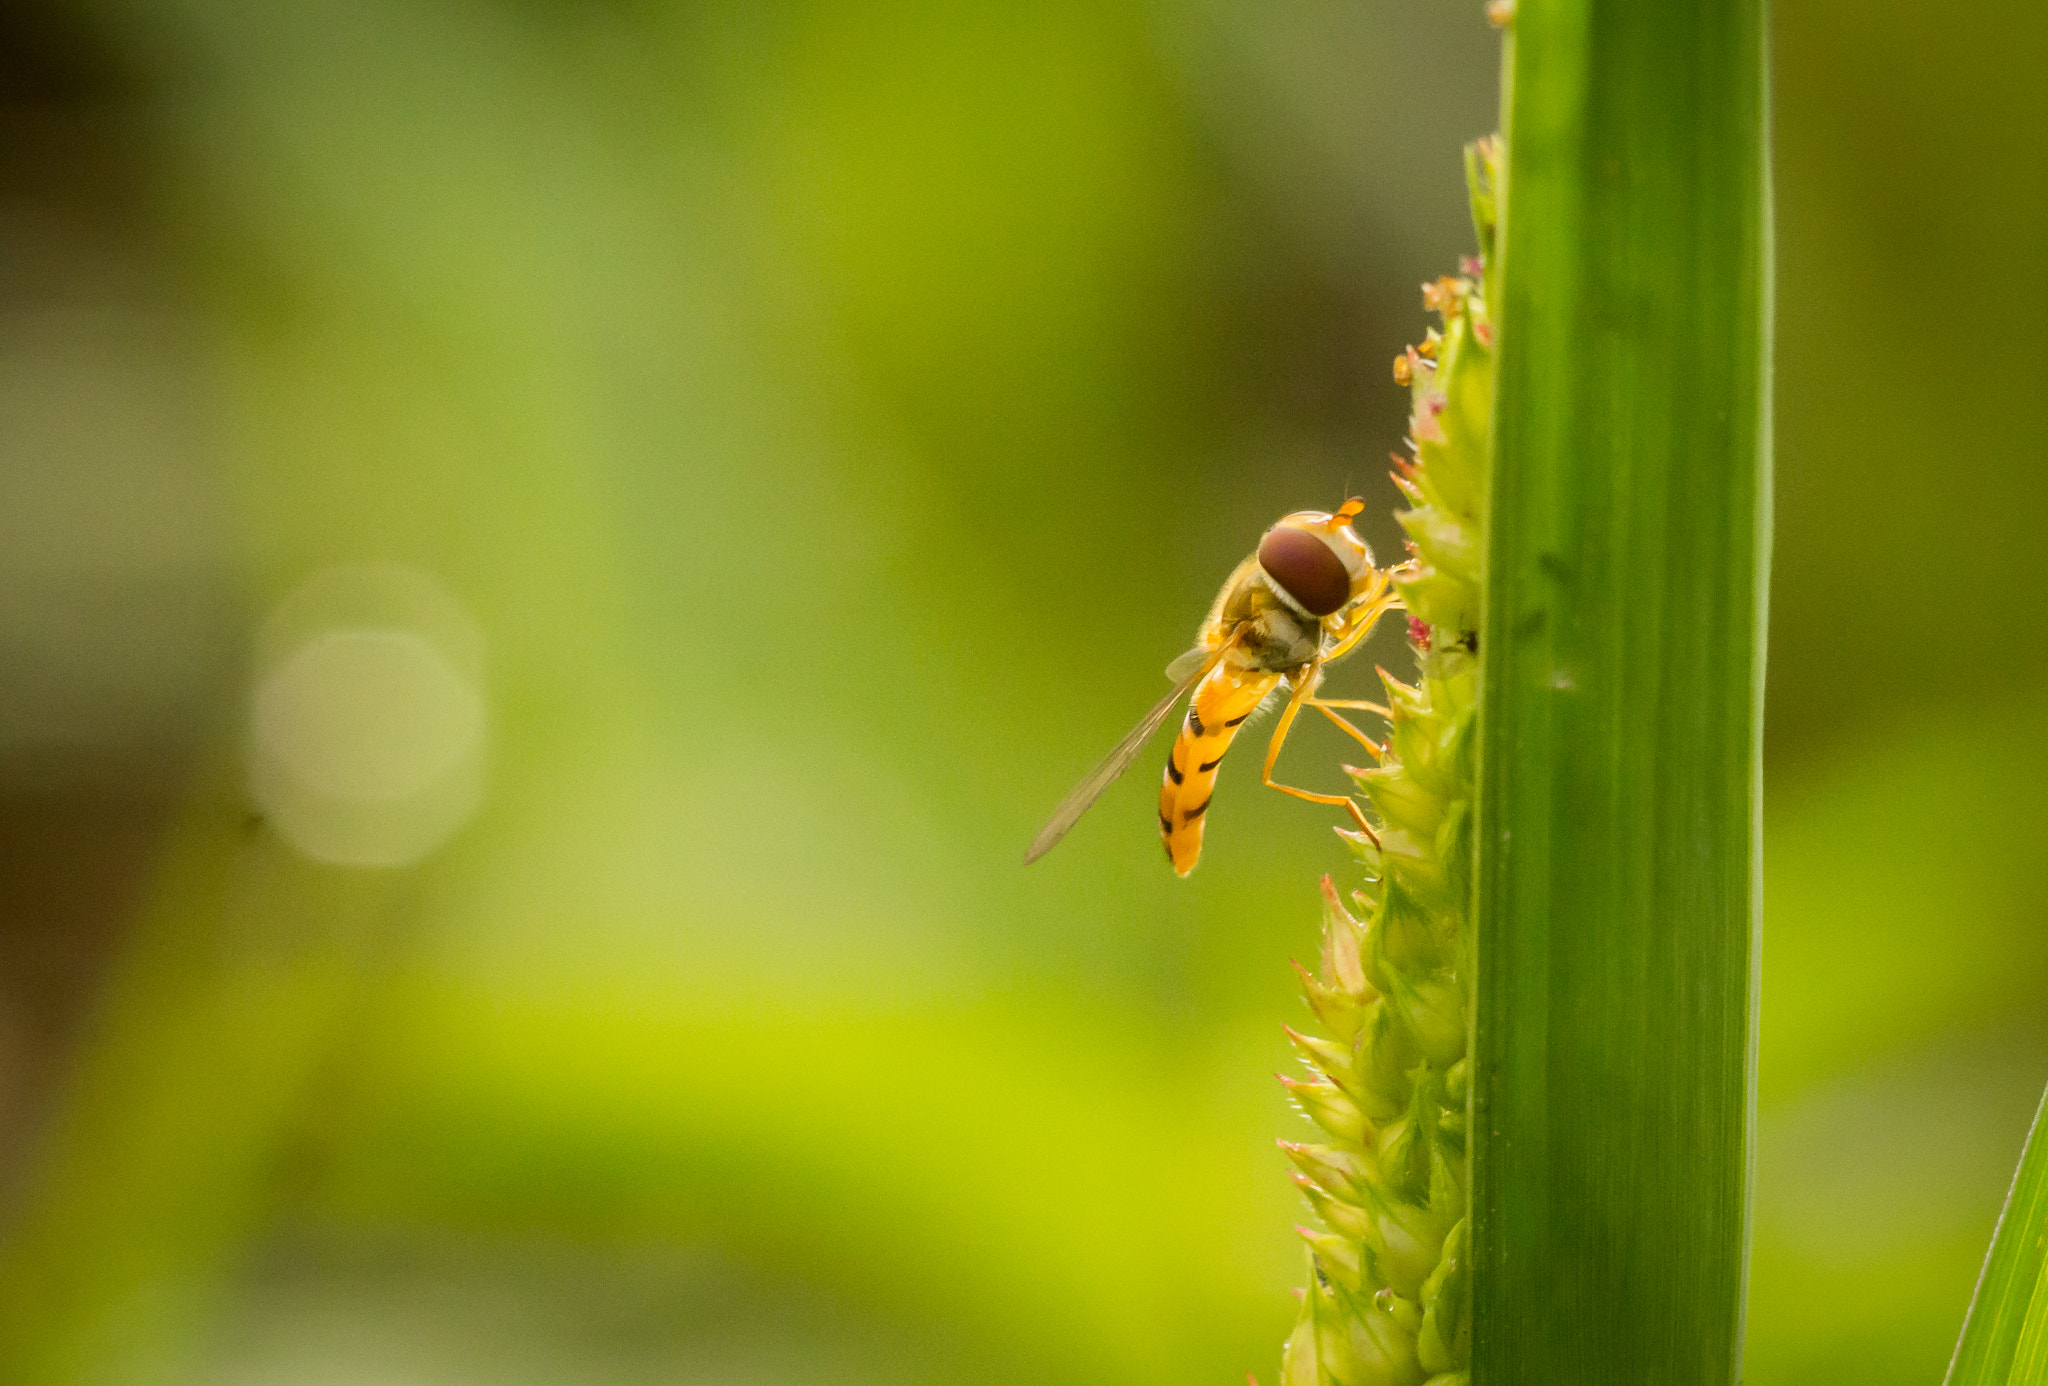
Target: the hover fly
(1300, 603)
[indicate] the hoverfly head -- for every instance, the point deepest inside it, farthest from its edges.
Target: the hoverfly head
(1316, 560)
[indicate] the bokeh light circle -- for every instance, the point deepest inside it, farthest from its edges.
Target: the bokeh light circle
(368, 719)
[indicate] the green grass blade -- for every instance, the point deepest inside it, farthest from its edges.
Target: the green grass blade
(1622, 650)
(2005, 1335)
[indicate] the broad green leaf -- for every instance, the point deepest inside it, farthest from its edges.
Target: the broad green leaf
(1622, 649)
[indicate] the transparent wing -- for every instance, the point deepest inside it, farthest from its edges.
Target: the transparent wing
(1192, 662)
(1117, 761)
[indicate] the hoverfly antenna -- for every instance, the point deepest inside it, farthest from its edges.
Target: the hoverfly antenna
(1349, 511)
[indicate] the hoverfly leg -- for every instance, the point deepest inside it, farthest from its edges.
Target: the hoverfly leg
(1304, 680)
(1354, 733)
(1356, 628)
(1359, 703)
(1353, 629)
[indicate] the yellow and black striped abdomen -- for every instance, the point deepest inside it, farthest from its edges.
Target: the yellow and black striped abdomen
(1220, 704)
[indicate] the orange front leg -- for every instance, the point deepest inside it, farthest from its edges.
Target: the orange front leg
(1360, 737)
(1359, 703)
(1303, 680)
(1355, 628)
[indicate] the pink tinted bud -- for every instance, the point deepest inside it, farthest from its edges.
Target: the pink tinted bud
(1423, 425)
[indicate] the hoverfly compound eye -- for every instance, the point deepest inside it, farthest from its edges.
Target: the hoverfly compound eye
(1306, 568)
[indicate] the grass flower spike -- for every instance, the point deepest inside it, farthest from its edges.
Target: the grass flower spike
(1388, 1301)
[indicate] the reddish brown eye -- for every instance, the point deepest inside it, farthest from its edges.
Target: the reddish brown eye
(1306, 569)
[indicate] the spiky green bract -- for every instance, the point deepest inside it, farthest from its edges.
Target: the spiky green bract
(1389, 1296)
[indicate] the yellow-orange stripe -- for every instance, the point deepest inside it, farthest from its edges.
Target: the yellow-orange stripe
(1220, 704)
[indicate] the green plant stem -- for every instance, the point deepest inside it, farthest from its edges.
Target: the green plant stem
(1622, 657)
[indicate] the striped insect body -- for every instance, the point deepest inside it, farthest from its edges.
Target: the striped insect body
(1220, 705)
(1301, 602)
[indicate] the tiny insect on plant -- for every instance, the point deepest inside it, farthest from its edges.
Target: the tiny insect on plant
(1388, 1293)
(1300, 603)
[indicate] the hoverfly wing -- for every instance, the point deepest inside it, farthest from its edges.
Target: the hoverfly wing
(1119, 760)
(1194, 662)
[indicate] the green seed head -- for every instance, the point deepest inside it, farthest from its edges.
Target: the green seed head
(1388, 1299)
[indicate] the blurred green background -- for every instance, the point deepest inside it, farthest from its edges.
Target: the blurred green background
(803, 431)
